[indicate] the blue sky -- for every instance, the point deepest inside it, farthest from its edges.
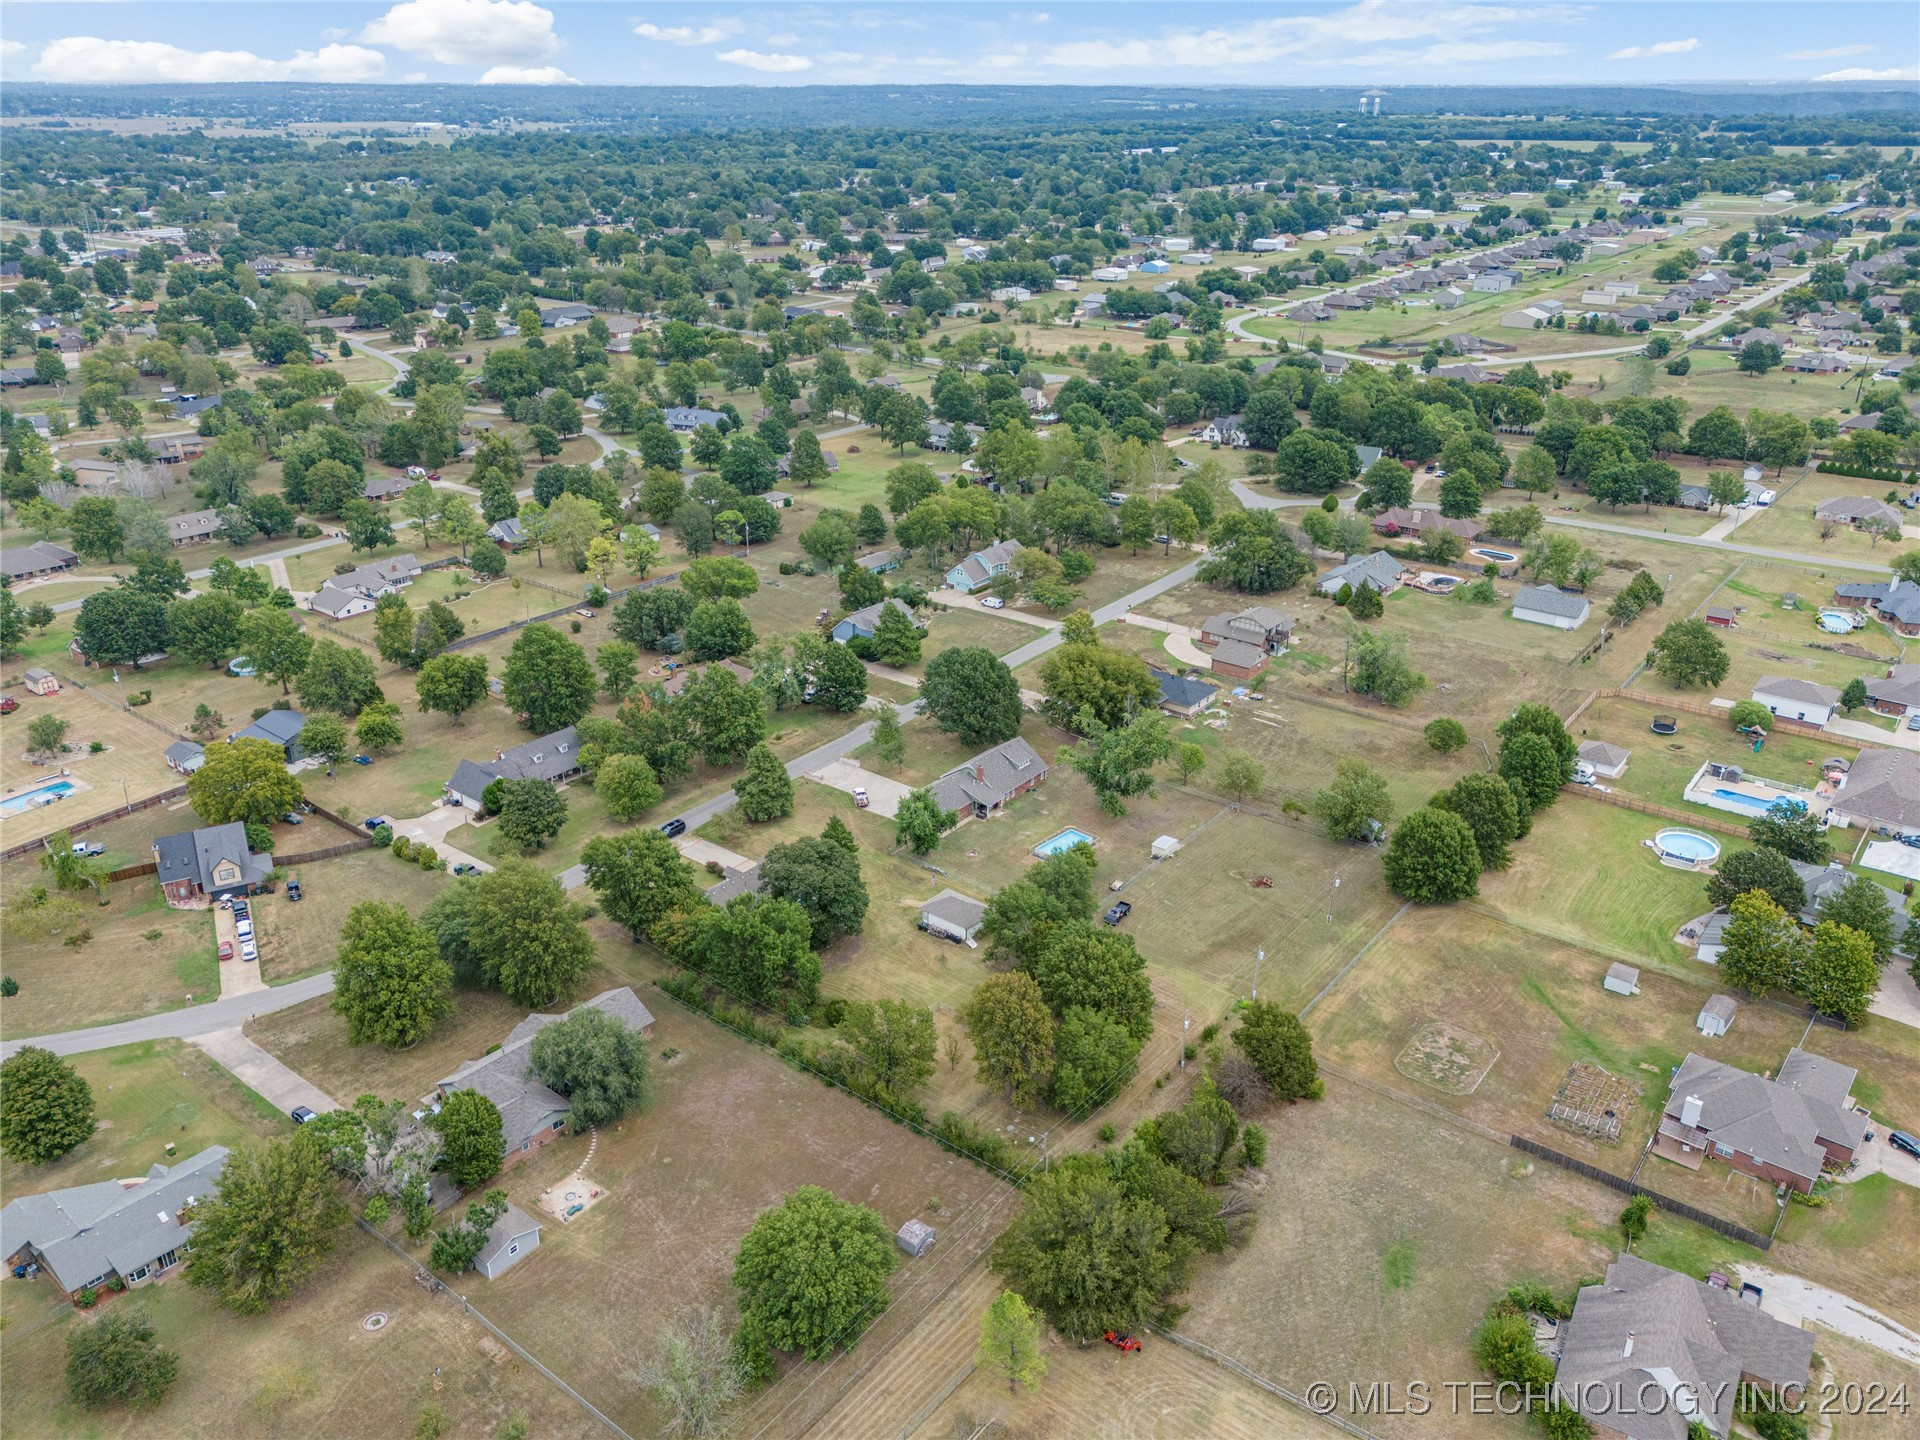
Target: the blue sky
(1111, 42)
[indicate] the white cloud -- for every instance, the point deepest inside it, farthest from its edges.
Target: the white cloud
(783, 39)
(415, 77)
(1838, 52)
(1905, 72)
(1312, 39)
(774, 64)
(527, 75)
(1463, 52)
(1662, 47)
(11, 47)
(688, 34)
(126, 62)
(467, 32)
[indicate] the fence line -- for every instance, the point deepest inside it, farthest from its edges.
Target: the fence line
(1629, 1187)
(119, 812)
(130, 872)
(1648, 807)
(439, 1286)
(485, 635)
(1227, 1362)
(311, 857)
(1698, 707)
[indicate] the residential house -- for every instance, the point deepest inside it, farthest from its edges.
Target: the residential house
(880, 561)
(1716, 1016)
(951, 913)
(1897, 692)
(1895, 602)
(531, 1115)
(1261, 626)
(507, 533)
(1239, 660)
(185, 756)
(354, 593)
(562, 317)
(1819, 363)
(865, 621)
(1550, 605)
(86, 1237)
(1823, 882)
(95, 474)
(1182, 695)
(1226, 430)
(1786, 1130)
(43, 557)
(1380, 570)
(979, 568)
(511, 1238)
(208, 864)
(990, 779)
(1649, 1352)
(1881, 791)
(1797, 699)
(552, 758)
(379, 489)
(186, 407)
(277, 727)
(1858, 511)
(1608, 761)
(685, 419)
(193, 527)
(1411, 523)
(739, 880)
(1494, 282)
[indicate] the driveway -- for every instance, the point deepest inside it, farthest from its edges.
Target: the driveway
(960, 600)
(1898, 998)
(237, 976)
(1890, 857)
(435, 828)
(1877, 1157)
(1180, 639)
(700, 852)
(1796, 1301)
(885, 794)
(1901, 739)
(260, 1072)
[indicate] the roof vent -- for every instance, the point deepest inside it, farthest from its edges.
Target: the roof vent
(165, 1218)
(1690, 1112)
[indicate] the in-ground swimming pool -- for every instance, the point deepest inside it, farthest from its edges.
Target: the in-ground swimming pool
(1688, 845)
(1499, 557)
(1065, 840)
(45, 794)
(1758, 804)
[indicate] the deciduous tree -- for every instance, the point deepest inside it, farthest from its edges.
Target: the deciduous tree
(812, 1273)
(244, 780)
(1431, 858)
(596, 1063)
(472, 1144)
(46, 1108)
(274, 1214)
(390, 982)
(1012, 1030)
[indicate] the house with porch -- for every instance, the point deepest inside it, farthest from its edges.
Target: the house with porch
(979, 568)
(1261, 626)
(990, 779)
(1894, 602)
(552, 758)
(277, 727)
(211, 863)
(863, 622)
(1183, 695)
(1785, 1130)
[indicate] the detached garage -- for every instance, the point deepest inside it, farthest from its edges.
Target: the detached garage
(1548, 605)
(953, 915)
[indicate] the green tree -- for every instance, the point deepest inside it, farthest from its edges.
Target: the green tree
(1111, 686)
(1490, 806)
(273, 1216)
(920, 822)
(243, 780)
(1085, 964)
(594, 1061)
(893, 1043)
(1445, 735)
(822, 877)
(1863, 907)
(276, 646)
(1687, 653)
(324, 737)
(472, 1145)
(765, 790)
(889, 745)
(718, 630)
(46, 1108)
(1378, 665)
(452, 684)
(120, 626)
(896, 638)
(1529, 761)
(47, 735)
(694, 1372)
(759, 949)
(1838, 973)
(1356, 806)
(1795, 831)
(532, 812)
(205, 629)
(812, 1273)
(726, 719)
(1432, 859)
(548, 680)
(1012, 1030)
(1757, 869)
(1633, 1220)
(1119, 763)
(639, 879)
(94, 526)
(524, 934)
(1010, 1342)
(1094, 1057)
(628, 786)
(971, 695)
(1241, 777)
(1090, 1257)
(1273, 1038)
(117, 1360)
(1764, 945)
(1854, 696)
(336, 677)
(390, 982)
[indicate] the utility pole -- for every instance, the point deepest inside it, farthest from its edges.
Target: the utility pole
(1186, 1024)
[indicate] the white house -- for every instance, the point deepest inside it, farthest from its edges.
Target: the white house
(1549, 605)
(1226, 430)
(1796, 699)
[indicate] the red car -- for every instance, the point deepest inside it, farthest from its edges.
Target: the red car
(8, 704)
(1125, 1344)
(226, 950)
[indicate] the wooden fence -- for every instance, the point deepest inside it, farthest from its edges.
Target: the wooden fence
(1628, 1187)
(1699, 707)
(1664, 812)
(119, 812)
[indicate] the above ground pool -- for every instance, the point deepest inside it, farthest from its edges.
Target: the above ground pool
(1499, 557)
(1688, 845)
(45, 794)
(1065, 840)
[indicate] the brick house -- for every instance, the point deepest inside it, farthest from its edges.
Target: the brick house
(208, 864)
(1787, 1129)
(990, 779)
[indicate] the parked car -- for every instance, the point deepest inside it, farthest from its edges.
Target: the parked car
(294, 817)
(83, 848)
(249, 951)
(363, 759)
(466, 869)
(584, 613)
(1913, 722)
(1901, 1140)
(226, 950)
(244, 929)
(8, 704)
(293, 890)
(416, 472)
(374, 822)
(860, 799)
(1118, 912)
(674, 827)
(301, 1114)
(993, 602)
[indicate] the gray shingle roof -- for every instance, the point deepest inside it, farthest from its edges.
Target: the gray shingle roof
(551, 757)
(193, 854)
(282, 727)
(979, 567)
(1182, 691)
(989, 777)
(32, 559)
(1379, 570)
(1653, 1332)
(87, 1231)
(1721, 1007)
(1600, 754)
(1239, 655)
(1883, 787)
(961, 911)
(513, 1224)
(1773, 1121)
(1550, 600)
(1787, 687)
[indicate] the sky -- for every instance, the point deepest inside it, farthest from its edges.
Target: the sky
(1072, 42)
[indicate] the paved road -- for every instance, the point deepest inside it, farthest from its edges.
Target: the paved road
(1702, 542)
(180, 1024)
(277, 557)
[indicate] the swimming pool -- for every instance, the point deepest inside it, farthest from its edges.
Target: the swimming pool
(45, 794)
(1499, 557)
(1065, 840)
(1756, 803)
(1688, 845)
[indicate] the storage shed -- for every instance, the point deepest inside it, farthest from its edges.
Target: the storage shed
(1622, 979)
(916, 1237)
(1716, 1016)
(1163, 847)
(513, 1236)
(951, 913)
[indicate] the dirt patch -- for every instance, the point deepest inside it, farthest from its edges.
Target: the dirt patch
(1591, 1102)
(1447, 1058)
(571, 1198)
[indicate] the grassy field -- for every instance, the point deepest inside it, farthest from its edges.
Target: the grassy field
(1789, 523)
(147, 1098)
(299, 938)
(129, 766)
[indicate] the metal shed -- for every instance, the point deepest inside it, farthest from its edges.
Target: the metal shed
(1163, 847)
(916, 1237)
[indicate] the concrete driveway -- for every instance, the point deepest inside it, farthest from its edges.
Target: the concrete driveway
(436, 828)
(1898, 997)
(260, 1072)
(1796, 1301)
(1877, 1157)
(960, 600)
(884, 794)
(237, 976)
(1180, 639)
(1901, 739)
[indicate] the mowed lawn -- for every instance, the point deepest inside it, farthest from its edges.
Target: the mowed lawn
(300, 937)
